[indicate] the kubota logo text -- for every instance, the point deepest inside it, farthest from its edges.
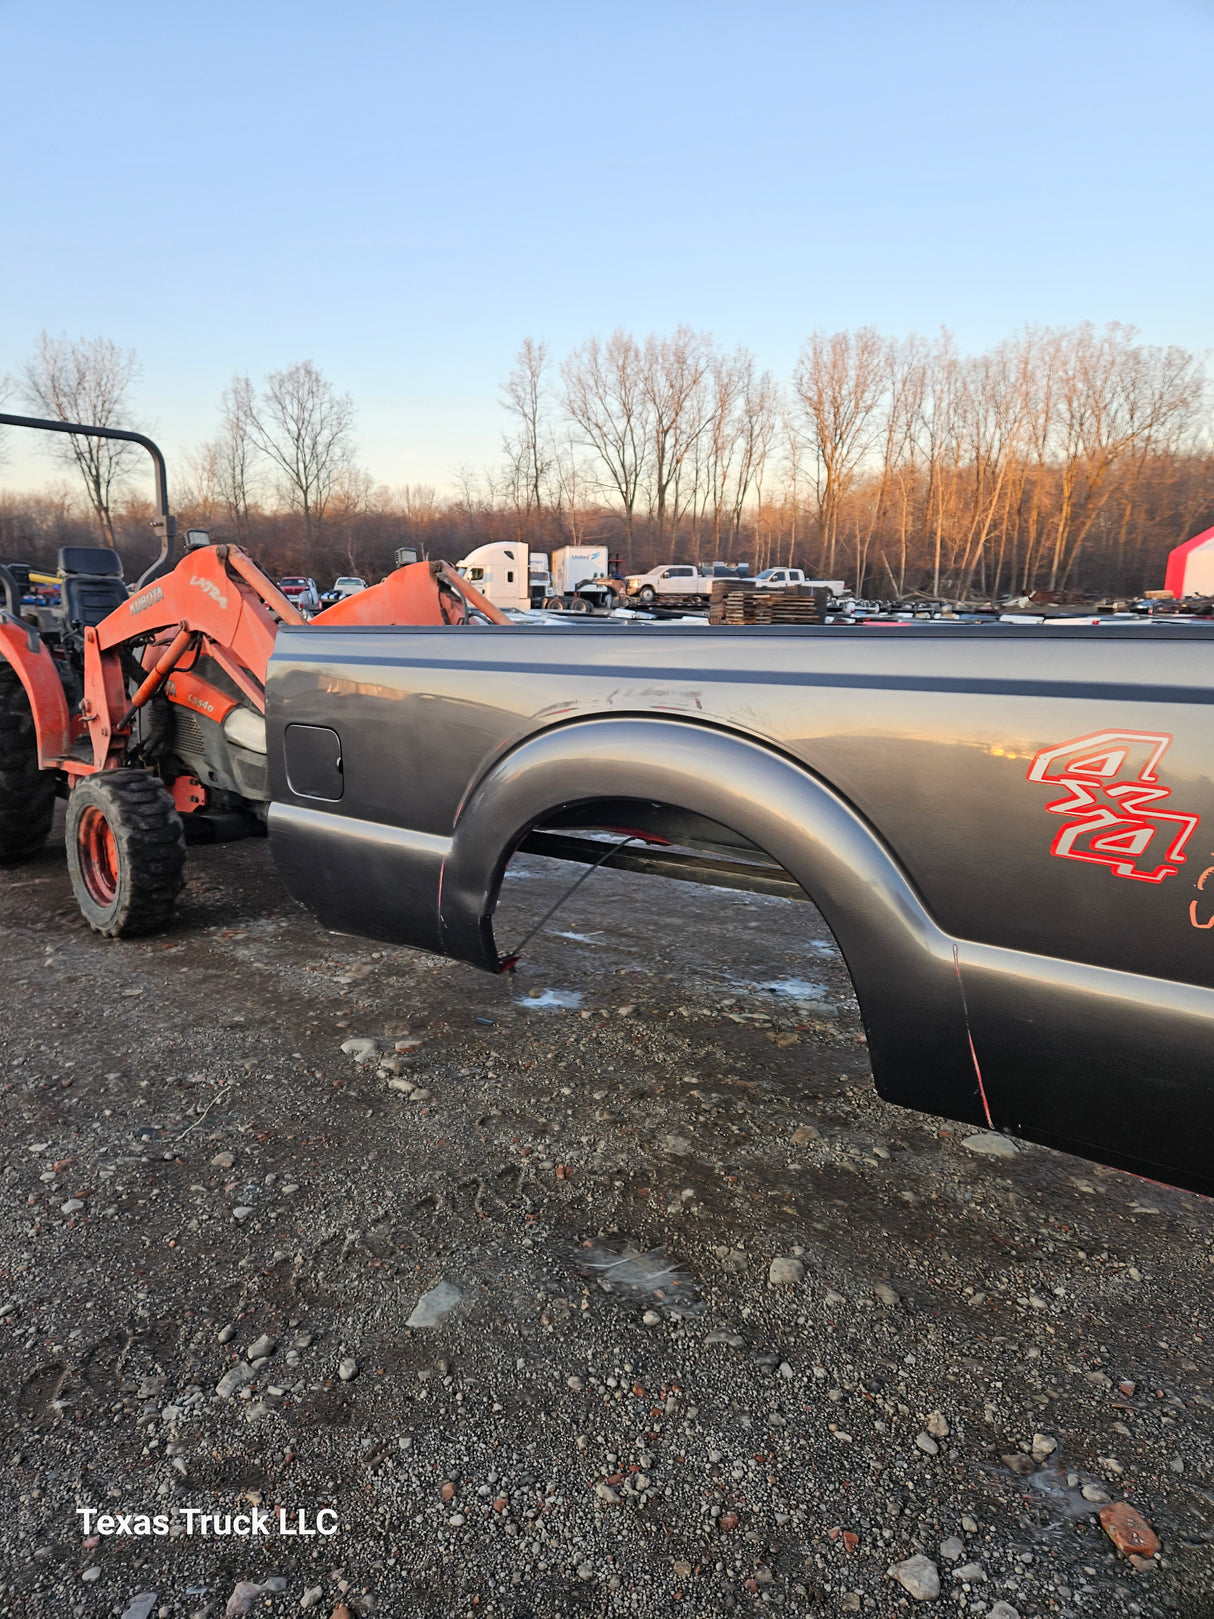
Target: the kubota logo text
(211, 588)
(146, 600)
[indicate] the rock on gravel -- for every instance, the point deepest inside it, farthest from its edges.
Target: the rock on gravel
(784, 1271)
(919, 1576)
(1128, 1530)
(435, 1306)
(361, 1050)
(992, 1145)
(234, 1379)
(246, 1593)
(347, 1370)
(141, 1606)
(1003, 1610)
(261, 1347)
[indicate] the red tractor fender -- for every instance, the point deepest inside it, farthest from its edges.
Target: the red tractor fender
(21, 647)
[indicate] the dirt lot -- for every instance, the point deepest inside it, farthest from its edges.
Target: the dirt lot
(192, 1164)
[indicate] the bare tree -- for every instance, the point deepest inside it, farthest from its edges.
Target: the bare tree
(940, 434)
(731, 453)
(528, 449)
(236, 455)
(1114, 395)
(606, 399)
(572, 483)
(472, 496)
(839, 381)
(224, 481)
(891, 501)
(304, 429)
(86, 380)
(679, 410)
(757, 415)
(355, 495)
(200, 488)
(419, 501)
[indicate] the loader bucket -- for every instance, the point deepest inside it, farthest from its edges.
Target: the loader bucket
(413, 594)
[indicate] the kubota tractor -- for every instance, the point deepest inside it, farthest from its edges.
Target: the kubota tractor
(144, 707)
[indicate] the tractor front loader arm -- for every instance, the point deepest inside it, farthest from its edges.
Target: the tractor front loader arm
(217, 600)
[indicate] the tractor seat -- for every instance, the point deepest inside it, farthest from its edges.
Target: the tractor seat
(92, 583)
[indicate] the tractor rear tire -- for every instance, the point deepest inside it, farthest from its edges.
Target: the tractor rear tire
(27, 794)
(125, 852)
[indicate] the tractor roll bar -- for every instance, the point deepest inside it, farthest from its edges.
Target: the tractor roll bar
(164, 523)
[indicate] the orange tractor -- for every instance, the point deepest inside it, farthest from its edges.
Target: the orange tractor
(144, 706)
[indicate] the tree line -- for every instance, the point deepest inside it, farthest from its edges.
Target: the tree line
(1062, 459)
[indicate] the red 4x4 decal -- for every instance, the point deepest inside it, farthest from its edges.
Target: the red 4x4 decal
(1111, 803)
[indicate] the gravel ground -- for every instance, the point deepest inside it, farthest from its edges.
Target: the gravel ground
(958, 1358)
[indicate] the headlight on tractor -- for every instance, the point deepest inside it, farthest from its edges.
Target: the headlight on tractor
(245, 729)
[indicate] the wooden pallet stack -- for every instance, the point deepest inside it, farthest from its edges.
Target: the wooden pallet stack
(734, 602)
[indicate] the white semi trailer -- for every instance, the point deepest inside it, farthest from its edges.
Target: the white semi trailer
(514, 577)
(502, 572)
(579, 577)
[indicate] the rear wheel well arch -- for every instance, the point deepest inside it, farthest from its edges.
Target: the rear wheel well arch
(31, 663)
(900, 961)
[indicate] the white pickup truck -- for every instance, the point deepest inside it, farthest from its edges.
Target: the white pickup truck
(680, 580)
(787, 578)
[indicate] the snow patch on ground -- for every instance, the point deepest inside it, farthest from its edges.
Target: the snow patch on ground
(552, 1000)
(794, 989)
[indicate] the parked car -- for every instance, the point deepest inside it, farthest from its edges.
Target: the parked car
(346, 584)
(301, 593)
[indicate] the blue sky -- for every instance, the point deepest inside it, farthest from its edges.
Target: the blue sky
(402, 192)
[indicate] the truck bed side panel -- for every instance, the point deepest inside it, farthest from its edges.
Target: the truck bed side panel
(1047, 797)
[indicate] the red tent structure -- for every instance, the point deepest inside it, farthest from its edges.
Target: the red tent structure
(1191, 567)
